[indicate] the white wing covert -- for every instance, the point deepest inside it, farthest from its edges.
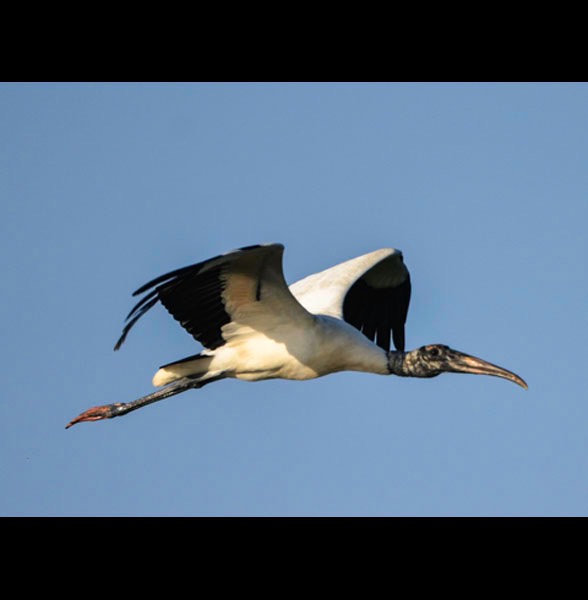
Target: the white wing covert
(370, 292)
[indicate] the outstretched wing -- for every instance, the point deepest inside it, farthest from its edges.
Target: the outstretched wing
(371, 292)
(245, 287)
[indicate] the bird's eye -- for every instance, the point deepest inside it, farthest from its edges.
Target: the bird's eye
(434, 351)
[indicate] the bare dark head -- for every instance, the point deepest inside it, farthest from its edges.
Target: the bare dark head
(434, 359)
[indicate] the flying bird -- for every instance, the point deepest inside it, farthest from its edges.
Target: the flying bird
(253, 326)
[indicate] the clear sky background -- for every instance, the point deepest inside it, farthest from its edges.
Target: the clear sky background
(484, 187)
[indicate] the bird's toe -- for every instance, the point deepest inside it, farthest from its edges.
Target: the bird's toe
(96, 413)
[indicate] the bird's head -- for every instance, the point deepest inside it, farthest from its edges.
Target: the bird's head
(434, 359)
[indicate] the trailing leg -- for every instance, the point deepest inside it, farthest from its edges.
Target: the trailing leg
(118, 409)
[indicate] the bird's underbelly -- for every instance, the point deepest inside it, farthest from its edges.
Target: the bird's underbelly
(299, 354)
(265, 358)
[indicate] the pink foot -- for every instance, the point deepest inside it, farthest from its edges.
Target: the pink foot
(96, 413)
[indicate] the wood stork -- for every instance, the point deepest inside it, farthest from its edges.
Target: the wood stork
(253, 326)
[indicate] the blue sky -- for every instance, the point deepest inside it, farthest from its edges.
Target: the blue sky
(484, 187)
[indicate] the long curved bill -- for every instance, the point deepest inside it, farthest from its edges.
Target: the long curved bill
(464, 363)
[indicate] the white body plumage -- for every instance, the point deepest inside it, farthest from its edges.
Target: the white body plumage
(292, 333)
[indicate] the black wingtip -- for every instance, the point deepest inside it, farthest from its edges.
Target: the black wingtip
(119, 343)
